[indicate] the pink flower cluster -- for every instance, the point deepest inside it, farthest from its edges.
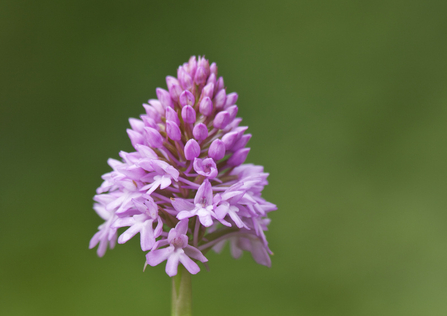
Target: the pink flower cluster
(185, 188)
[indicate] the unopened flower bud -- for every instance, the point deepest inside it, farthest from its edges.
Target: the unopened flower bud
(219, 99)
(219, 84)
(152, 112)
(173, 87)
(204, 63)
(148, 121)
(164, 97)
(213, 69)
(238, 157)
(240, 131)
(188, 114)
(185, 79)
(157, 106)
(170, 81)
(200, 76)
(137, 125)
(234, 124)
(200, 131)
(173, 130)
(208, 91)
(233, 111)
(231, 99)
(229, 139)
(153, 137)
(135, 137)
(211, 79)
(171, 115)
(221, 120)
(217, 150)
(192, 66)
(192, 149)
(206, 106)
(187, 98)
(241, 142)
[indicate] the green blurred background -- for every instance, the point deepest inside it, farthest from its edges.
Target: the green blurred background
(346, 101)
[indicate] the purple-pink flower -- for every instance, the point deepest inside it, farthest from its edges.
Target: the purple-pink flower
(178, 250)
(185, 189)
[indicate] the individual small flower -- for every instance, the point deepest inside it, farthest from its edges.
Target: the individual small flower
(106, 234)
(206, 167)
(142, 223)
(202, 208)
(161, 175)
(178, 250)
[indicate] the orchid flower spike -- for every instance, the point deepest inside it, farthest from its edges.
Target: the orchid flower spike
(186, 188)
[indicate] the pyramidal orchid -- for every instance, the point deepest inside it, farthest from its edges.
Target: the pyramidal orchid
(185, 189)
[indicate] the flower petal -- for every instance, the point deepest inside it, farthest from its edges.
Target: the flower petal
(190, 265)
(172, 263)
(156, 257)
(147, 239)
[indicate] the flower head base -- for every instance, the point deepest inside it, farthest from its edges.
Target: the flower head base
(185, 188)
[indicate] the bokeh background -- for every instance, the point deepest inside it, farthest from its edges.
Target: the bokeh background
(347, 104)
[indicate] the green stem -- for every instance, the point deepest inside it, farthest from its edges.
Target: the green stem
(181, 293)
